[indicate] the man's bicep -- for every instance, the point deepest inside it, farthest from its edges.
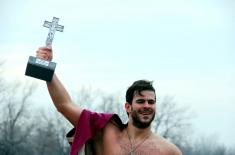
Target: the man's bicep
(71, 112)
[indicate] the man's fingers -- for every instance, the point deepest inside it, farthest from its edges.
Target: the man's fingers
(42, 51)
(46, 48)
(44, 54)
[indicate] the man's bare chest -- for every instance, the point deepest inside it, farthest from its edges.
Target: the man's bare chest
(122, 146)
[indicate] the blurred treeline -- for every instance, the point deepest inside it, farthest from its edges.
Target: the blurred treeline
(26, 130)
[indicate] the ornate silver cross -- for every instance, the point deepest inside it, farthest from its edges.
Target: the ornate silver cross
(53, 26)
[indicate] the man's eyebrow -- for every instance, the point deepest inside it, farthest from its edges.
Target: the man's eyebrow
(145, 99)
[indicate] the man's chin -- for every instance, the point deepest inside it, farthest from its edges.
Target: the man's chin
(144, 122)
(146, 118)
(147, 122)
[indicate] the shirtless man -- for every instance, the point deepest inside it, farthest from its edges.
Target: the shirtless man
(104, 134)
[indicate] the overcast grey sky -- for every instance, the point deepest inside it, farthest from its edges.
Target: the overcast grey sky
(186, 47)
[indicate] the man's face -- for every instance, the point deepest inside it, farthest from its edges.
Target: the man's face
(142, 109)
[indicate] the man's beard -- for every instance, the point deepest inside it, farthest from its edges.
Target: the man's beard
(137, 122)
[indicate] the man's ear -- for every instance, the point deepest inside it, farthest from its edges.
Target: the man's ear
(128, 107)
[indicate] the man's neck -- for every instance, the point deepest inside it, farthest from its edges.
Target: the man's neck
(138, 133)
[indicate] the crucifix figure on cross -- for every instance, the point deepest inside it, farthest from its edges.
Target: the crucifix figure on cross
(53, 26)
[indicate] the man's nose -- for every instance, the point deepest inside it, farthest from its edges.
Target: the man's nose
(146, 103)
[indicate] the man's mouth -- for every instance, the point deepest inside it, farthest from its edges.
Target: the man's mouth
(146, 111)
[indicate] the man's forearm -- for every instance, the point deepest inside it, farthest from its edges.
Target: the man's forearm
(58, 93)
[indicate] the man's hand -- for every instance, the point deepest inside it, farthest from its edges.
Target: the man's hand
(45, 53)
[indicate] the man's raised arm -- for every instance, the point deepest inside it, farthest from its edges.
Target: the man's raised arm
(62, 101)
(58, 93)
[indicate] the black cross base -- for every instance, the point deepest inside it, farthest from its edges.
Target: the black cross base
(40, 69)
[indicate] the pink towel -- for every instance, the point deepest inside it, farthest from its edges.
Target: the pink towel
(88, 126)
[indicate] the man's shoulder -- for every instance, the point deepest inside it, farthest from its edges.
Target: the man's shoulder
(166, 145)
(115, 124)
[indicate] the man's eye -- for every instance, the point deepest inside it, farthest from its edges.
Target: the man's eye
(140, 101)
(151, 101)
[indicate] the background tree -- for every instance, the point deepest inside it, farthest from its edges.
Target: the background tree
(2, 82)
(15, 123)
(15, 127)
(207, 145)
(49, 135)
(173, 121)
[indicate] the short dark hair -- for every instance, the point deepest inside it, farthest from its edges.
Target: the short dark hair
(138, 87)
